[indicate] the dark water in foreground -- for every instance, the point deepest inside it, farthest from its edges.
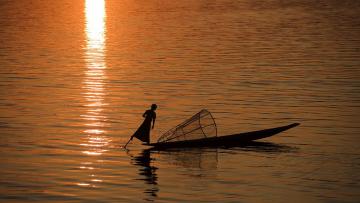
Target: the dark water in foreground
(76, 76)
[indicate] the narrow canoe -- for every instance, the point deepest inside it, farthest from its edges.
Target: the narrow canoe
(227, 140)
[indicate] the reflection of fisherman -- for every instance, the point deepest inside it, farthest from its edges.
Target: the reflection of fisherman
(148, 171)
(143, 132)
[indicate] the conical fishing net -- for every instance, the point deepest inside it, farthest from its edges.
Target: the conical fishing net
(200, 125)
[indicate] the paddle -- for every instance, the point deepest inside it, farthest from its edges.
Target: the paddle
(129, 141)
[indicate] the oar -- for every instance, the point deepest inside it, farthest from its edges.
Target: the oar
(128, 142)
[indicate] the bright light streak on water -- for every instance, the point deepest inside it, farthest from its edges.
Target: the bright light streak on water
(96, 141)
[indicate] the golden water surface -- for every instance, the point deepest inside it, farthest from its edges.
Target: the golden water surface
(76, 76)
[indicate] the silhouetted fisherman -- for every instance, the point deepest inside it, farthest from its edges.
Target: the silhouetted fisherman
(143, 132)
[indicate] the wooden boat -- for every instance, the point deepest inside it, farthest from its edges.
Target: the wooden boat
(227, 140)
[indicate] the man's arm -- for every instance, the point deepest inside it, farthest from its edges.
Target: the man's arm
(154, 120)
(153, 123)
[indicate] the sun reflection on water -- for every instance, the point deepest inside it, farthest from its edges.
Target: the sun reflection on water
(95, 142)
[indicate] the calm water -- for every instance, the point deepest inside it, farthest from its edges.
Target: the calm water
(77, 75)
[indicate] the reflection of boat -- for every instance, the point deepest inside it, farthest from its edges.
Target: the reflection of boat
(207, 157)
(228, 140)
(200, 158)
